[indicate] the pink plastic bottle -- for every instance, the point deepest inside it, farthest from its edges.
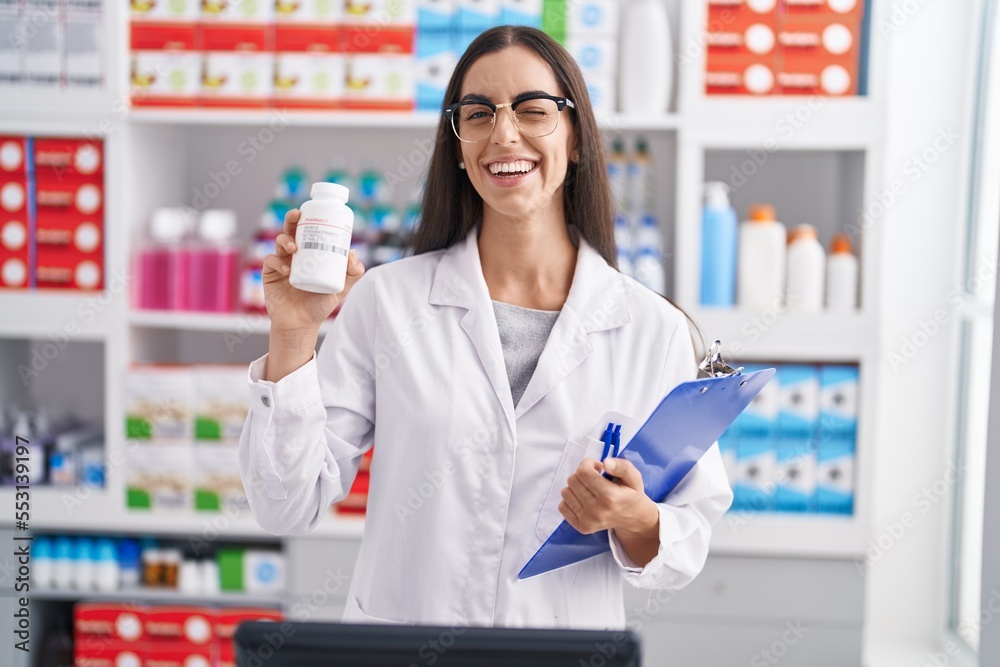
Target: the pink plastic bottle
(162, 263)
(214, 263)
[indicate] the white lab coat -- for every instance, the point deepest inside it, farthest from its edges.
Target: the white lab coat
(413, 363)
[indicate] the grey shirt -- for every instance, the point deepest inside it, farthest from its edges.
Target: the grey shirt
(523, 332)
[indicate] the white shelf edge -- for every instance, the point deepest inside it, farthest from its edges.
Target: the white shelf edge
(238, 323)
(789, 535)
(41, 313)
(166, 596)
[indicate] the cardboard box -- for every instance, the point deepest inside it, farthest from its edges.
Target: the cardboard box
(433, 66)
(356, 501)
(380, 12)
(437, 15)
(758, 438)
(116, 621)
(221, 402)
(835, 456)
(11, 56)
(166, 64)
(836, 10)
(245, 12)
(797, 429)
(521, 12)
(160, 477)
(83, 62)
(217, 482)
(308, 12)
(13, 157)
(756, 36)
(226, 621)
(379, 81)
(43, 43)
(179, 624)
(69, 158)
(94, 652)
(603, 90)
(158, 403)
(15, 251)
(739, 74)
(175, 11)
(478, 15)
(594, 55)
(819, 57)
(593, 17)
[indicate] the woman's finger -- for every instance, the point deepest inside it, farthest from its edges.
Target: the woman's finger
(284, 244)
(274, 266)
(291, 222)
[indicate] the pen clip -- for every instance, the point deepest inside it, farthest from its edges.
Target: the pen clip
(714, 366)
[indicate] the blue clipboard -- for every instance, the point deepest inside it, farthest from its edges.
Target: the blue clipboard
(682, 428)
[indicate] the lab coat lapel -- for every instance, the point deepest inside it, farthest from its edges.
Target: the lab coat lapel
(459, 282)
(597, 302)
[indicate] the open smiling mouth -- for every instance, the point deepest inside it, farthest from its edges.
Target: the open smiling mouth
(511, 170)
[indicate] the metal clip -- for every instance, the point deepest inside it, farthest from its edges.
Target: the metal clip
(714, 367)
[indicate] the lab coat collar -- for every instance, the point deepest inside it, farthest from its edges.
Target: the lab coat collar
(597, 296)
(597, 301)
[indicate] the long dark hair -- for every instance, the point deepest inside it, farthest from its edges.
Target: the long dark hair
(452, 207)
(451, 204)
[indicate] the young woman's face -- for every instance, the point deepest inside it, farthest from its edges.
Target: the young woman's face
(496, 166)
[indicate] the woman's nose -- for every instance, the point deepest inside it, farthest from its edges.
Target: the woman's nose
(505, 127)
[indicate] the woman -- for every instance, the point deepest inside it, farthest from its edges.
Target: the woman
(481, 366)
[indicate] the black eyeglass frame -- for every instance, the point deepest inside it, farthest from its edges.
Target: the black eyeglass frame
(449, 112)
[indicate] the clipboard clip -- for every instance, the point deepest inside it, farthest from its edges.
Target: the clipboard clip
(713, 365)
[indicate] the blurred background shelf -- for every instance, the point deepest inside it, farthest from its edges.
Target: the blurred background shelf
(159, 596)
(39, 314)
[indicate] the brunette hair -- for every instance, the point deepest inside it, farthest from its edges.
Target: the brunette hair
(451, 205)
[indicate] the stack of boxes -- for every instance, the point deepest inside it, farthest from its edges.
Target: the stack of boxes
(592, 39)
(52, 207)
(784, 47)
(168, 636)
(186, 422)
(308, 54)
(792, 450)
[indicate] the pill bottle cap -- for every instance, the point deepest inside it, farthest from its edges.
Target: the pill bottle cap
(762, 213)
(334, 190)
(841, 244)
(802, 232)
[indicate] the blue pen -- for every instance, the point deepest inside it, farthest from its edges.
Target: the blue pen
(616, 439)
(607, 439)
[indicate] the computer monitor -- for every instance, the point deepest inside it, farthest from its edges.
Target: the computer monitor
(288, 644)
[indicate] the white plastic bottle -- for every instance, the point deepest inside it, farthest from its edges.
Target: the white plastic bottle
(761, 266)
(806, 270)
(841, 276)
(323, 239)
(646, 64)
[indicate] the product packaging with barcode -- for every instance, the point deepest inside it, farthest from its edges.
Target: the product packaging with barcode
(323, 240)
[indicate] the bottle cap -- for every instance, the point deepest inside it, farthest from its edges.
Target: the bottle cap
(841, 244)
(217, 225)
(168, 224)
(762, 213)
(334, 190)
(802, 232)
(716, 194)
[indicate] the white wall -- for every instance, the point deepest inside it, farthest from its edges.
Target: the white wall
(931, 66)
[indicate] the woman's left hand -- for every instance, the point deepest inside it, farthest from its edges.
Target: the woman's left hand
(591, 502)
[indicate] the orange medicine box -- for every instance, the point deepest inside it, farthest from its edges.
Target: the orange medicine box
(740, 74)
(819, 56)
(730, 14)
(309, 72)
(748, 34)
(15, 251)
(69, 232)
(833, 10)
(166, 64)
(238, 64)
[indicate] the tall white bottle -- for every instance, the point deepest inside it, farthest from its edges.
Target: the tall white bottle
(806, 270)
(761, 265)
(646, 66)
(841, 276)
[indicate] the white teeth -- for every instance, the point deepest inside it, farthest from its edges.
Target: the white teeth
(518, 166)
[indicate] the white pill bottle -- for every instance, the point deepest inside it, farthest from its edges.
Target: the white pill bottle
(323, 240)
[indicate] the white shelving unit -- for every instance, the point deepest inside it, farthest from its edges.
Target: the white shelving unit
(155, 157)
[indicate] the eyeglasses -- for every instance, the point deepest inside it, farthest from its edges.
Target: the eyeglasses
(534, 116)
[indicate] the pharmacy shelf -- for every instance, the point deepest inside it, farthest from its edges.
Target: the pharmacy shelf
(238, 323)
(777, 123)
(770, 335)
(41, 314)
(161, 596)
(351, 119)
(84, 510)
(750, 533)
